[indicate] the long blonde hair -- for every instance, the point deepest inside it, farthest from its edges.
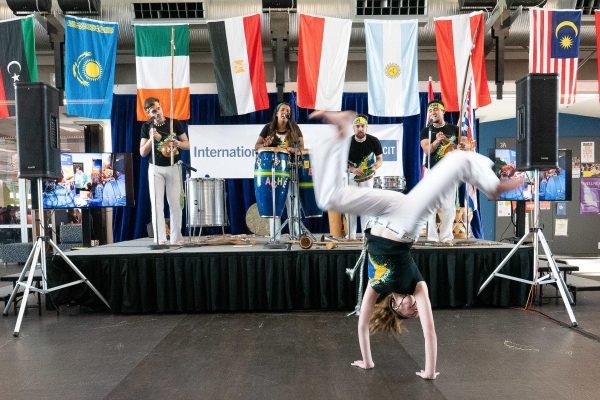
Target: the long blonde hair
(385, 319)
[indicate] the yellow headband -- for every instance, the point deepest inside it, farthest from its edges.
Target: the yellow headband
(360, 120)
(439, 106)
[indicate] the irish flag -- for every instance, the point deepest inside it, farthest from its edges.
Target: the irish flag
(236, 48)
(17, 60)
(322, 55)
(153, 63)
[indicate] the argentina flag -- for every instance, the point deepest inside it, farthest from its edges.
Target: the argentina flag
(90, 54)
(392, 67)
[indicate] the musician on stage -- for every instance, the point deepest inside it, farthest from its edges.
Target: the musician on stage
(396, 289)
(437, 139)
(164, 177)
(363, 149)
(282, 132)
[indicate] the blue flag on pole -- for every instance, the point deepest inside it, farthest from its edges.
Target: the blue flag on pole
(90, 54)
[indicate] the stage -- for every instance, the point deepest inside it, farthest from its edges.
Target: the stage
(248, 277)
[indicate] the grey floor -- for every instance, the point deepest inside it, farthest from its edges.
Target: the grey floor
(483, 354)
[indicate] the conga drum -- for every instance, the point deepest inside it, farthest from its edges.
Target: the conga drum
(266, 159)
(337, 227)
(306, 187)
(461, 220)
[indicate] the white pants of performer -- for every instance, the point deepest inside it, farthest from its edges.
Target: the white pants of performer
(447, 215)
(402, 214)
(165, 179)
(352, 219)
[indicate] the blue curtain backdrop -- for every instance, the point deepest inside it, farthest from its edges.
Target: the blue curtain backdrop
(130, 223)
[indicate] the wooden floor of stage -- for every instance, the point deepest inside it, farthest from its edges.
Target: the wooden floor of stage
(254, 244)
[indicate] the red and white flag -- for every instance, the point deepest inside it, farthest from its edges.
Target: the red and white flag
(322, 55)
(454, 40)
(554, 47)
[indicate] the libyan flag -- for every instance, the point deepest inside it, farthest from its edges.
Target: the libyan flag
(154, 65)
(17, 60)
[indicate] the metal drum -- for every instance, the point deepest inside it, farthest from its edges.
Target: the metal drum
(207, 202)
(396, 183)
(307, 187)
(266, 158)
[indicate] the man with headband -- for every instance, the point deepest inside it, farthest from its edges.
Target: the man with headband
(162, 176)
(364, 148)
(437, 139)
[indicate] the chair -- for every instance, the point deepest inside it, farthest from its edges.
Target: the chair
(71, 235)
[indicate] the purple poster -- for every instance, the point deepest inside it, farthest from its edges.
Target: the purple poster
(589, 201)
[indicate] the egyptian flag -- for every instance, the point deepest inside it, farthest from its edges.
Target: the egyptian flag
(17, 60)
(322, 55)
(236, 48)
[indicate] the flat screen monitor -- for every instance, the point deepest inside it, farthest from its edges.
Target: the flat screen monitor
(555, 184)
(91, 180)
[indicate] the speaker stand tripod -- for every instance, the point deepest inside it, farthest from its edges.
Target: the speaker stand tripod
(38, 256)
(554, 276)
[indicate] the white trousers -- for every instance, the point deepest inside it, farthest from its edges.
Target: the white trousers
(352, 219)
(402, 214)
(165, 179)
(447, 215)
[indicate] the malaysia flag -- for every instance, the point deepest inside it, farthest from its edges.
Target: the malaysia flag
(554, 47)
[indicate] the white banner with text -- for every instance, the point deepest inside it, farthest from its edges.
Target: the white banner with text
(227, 151)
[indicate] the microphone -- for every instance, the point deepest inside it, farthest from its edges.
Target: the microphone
(430, 121)
(187, 166)
(287, 115)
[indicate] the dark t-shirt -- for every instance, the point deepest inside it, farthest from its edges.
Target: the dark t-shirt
(451, 133)
(359, 151)
(279, 140)
(391, 266)
(161, 160)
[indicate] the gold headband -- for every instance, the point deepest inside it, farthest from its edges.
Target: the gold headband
(360, 120)
(439, 106)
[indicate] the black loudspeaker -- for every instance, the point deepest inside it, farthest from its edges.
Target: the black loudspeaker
(537, 122)
(20, 7)
(38, 140)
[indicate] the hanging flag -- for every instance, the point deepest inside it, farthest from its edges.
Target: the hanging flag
(392, 67)
(236, 47)
(322, 54)
(17, 60)
(597, 14)
(90, 55)
(554, 47)
(458, 58)
(153, 66)
(430, 96)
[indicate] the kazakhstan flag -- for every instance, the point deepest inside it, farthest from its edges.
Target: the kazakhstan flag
(90, 54)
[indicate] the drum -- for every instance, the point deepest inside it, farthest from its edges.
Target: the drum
(396, 183)
(461, 220)
(207, 202)
(266, 158)
(307, 187)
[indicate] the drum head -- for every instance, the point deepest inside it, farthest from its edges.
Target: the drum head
(363, 178)
(257, 225)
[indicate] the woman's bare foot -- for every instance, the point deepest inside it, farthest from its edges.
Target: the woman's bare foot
(341, 119)
(362, 364)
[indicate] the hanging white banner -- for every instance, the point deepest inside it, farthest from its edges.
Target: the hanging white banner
(227, 151)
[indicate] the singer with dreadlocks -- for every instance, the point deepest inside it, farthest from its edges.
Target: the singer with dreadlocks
(281, 132)
(163, 176)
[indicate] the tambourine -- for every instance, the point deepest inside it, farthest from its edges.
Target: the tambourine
(368, 174)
